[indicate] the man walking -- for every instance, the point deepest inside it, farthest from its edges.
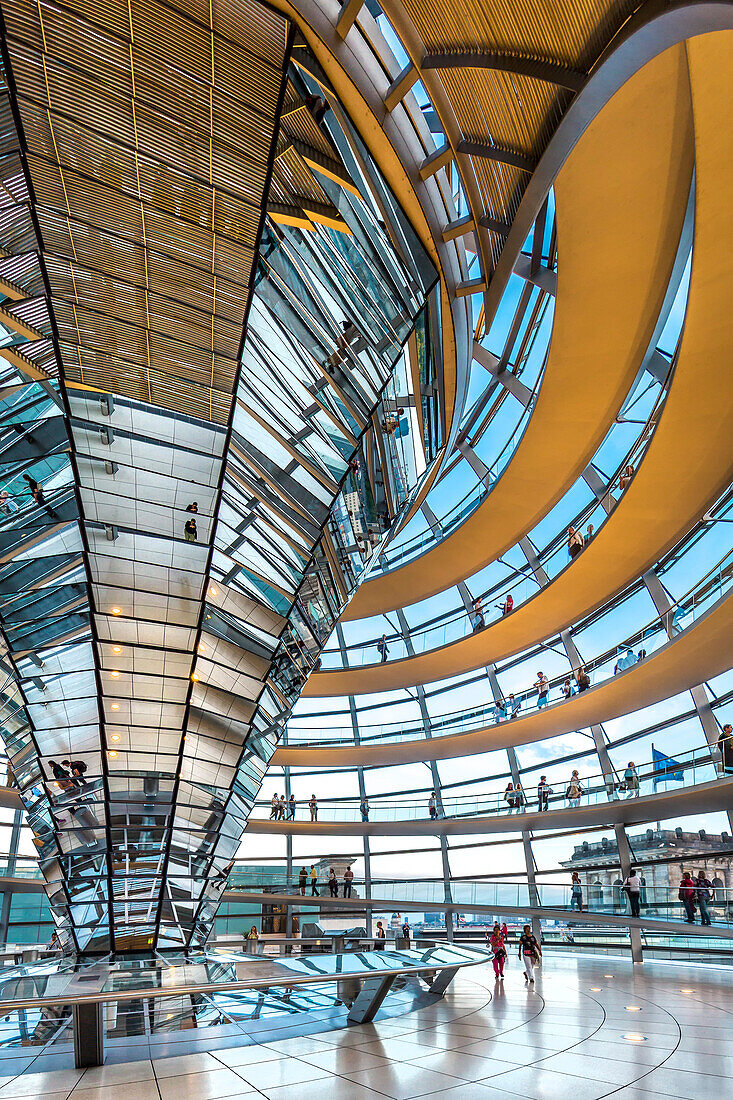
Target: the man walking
(348, 879)
(544, 790)
(632, 886)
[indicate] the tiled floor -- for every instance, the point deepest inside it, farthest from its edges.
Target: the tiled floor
(590, 1028)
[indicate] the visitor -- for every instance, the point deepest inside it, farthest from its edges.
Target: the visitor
(433, 805)
(223, 875)
(505, 932)
(530, 953)
(509, 795)
(725, 744)
(567, 689)
(574, 790)
(507, 606)
(383, 648)
(281, 808)
(575, 542)
(381, 936)
(478, 621)
(7, 504)
(632, 886)
(313, 807)
(54, 944)
(631, 780)
(582, 679)
(292, 804)
(576, 892)
(589, 534)
(406, 932)
(62, 776)
(193, 507)
(498, 950)
(314, 882)
(703, 894)
(333, 886)
(515, 705)
(686, 894)
(500, 710)
(544, 790)
(626, 475)
(253, 934)
(348, 880)
(302, 880)
(520, 798)
(77, 769)
(364, 807)
(190, 533)
(274, 806)
(542, 684)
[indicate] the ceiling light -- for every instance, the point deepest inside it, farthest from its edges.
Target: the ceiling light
(115, 736)
(112, 753)
(116, 610)
(115, 706)
(194, 677)
(213, 591)
(114, 674)
(117, 649)
(202, 647)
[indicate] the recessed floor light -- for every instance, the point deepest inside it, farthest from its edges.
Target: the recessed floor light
(633, 1008)
(687, 991)
(608, 975)
(596, 989)
(634, 1037)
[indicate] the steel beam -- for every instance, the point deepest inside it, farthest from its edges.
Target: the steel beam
(548, 71)
(367, 1004)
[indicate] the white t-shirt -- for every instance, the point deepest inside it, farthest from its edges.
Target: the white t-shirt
(634, 883)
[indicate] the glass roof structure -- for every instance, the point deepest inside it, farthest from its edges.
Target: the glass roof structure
(359, 430)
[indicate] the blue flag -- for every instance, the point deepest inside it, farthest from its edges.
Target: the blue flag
(665, 767)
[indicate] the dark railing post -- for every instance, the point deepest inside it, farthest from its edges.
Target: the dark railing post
(88, 1022)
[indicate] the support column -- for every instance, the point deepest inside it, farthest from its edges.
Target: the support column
(367, 1004)
(12, 865)
(88, 1023)
(435, 776)
(624, 856)
(368, 915)
(288, 851)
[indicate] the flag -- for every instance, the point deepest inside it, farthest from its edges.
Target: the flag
(665, 767)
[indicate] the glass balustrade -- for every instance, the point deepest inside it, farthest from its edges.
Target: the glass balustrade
(681, 615)
(690, 768)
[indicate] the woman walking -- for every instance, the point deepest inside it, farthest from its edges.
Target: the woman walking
(498, 950)
(576, 893)
(530, 952)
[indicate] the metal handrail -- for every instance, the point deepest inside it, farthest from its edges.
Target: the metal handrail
(288, 980)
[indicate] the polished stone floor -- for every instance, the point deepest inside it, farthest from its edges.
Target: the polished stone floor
(591, 1027)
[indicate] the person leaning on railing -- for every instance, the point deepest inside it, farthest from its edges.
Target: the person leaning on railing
(725, 744)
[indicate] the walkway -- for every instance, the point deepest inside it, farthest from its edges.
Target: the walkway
(697, 654)
(700, 798)
(590, 1028)
(689, 461)
(620, 202)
